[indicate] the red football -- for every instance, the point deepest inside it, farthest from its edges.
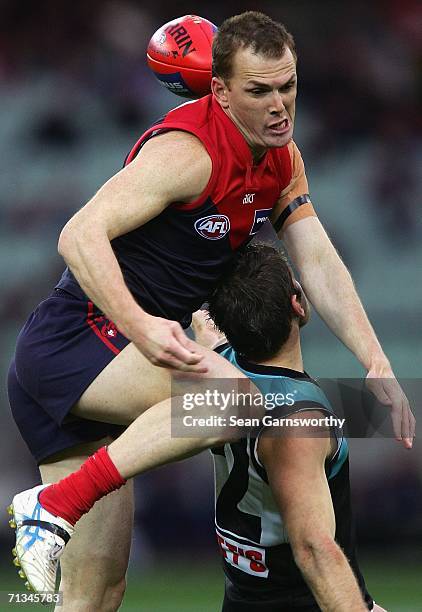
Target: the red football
(179, 55)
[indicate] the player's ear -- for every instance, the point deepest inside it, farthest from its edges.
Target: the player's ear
(300, 305)
(296, 301)
(219, 89)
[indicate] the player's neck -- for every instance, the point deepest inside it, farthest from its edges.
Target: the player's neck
(290, 354)
(257, 151)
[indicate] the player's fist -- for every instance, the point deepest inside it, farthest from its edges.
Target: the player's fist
(165, 344)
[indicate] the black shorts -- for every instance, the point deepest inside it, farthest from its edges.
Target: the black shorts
(266, 606)
(238, 600)
(62, 348)
(230, 606)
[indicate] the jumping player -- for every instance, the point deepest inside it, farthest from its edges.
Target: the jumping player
(144, 253)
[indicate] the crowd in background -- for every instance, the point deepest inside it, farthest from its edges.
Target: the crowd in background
(75, 95)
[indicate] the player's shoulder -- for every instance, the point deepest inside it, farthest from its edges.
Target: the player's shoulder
(286, 160)
(177, 138)
(196, 112)
(290, 151)
(181, 126)
(177, 147)
(293, 148)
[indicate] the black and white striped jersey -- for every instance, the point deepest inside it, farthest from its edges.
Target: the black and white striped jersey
(257, 557)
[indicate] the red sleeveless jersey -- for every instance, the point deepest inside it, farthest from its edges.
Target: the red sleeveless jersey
(172, 263)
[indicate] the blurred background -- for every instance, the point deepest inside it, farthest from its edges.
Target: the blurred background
(75, 96)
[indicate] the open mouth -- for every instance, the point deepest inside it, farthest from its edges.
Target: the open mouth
(280, 127)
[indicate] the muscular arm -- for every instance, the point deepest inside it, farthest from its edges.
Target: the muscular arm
(330, 288)
(170, 167)
(326, 281)
(295, 468)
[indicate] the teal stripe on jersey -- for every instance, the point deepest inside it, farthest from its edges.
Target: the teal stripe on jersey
(302, 389)
(339, 459)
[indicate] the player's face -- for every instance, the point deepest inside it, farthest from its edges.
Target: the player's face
(260, 98)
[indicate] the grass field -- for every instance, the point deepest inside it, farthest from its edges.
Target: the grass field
(196, 588)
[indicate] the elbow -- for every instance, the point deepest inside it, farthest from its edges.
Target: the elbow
(64, 242)
(310, 551)
(70, 236)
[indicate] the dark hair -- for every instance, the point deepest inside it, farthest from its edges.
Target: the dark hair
(252, 303)
(249, 29)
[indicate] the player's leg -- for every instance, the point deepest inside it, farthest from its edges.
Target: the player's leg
(130, 384)
(124, 389)
(149, 441)
(93, 566)
(60, 506)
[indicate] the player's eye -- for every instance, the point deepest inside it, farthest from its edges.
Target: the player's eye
(288, 86)
(257, 92)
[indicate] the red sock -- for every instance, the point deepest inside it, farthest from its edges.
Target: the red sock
(75, 495)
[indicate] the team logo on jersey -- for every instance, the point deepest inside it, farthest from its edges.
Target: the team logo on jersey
(248, 199)
(213, 227)
(261, 216)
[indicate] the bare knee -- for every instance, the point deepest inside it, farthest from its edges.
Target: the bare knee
(104, 597)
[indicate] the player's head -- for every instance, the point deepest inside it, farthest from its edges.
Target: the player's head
(257, 302)
(254, 78)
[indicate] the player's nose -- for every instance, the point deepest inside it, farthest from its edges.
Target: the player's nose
(277, 103)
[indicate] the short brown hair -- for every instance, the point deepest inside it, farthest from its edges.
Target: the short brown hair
(252, 304)
(250, 29)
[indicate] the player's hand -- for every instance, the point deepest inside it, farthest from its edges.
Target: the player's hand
(384, 385)
(165, 344)
(205, 331)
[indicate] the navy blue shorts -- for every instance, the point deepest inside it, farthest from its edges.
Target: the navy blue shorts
(62, 348)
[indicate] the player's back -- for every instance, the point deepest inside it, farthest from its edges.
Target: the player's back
(254, 543)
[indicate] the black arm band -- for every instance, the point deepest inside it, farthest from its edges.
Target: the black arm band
(302, 199)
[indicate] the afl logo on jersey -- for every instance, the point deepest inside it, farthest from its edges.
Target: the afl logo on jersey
(213, 227)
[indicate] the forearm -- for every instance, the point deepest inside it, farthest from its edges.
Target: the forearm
(330, 289)
(89, 255)
(330, 577)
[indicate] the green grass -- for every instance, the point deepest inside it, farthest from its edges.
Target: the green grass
(188, 587)
(395, 585)
(185, 588)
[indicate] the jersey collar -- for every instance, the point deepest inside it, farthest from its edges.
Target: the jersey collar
(270, 370)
